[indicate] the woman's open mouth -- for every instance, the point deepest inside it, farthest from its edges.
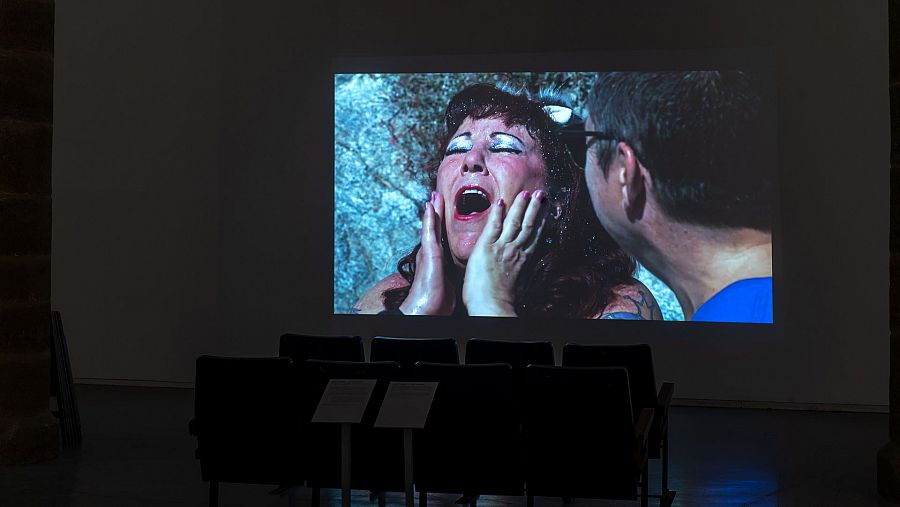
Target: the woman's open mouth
(471, 202)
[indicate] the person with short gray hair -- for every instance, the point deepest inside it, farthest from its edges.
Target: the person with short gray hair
(680, 172)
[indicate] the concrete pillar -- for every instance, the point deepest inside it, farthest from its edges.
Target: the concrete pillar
(28, 431)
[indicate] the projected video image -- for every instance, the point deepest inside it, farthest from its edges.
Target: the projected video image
(567, 195)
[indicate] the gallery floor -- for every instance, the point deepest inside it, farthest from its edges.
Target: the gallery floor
(137, 452)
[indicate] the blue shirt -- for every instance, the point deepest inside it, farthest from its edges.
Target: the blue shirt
(747, 300)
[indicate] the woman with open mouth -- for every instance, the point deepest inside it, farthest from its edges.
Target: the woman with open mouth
(509, 230)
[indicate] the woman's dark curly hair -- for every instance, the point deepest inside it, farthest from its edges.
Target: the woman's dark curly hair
(577, 264)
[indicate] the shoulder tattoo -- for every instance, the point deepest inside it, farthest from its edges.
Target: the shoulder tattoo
(644, 309)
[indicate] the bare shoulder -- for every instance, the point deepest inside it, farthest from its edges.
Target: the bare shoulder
(372, 301)
(632, 301)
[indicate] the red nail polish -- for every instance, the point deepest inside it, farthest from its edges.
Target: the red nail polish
(527, 194)
(500, 202)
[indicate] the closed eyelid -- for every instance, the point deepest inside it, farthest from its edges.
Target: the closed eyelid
(460, 142)
(506, 135)
(504, 140)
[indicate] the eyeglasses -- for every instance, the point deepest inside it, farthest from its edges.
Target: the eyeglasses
(570, 129)
(573, 136)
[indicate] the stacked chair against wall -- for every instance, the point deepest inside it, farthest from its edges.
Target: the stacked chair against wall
(580, 437)
(470, 443)
(61, 385)
(638, 360)
(245, 422)
(376, 453)
(409, 351)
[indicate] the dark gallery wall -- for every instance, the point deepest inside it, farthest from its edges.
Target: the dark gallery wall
(192, 180)
(136, 185)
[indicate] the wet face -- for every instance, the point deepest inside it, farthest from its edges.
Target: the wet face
(486, 160)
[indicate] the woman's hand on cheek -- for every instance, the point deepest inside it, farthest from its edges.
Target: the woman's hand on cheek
(431, 293)
(502, 250)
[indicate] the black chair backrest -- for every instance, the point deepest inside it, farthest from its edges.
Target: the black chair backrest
(516, 354)
(578, 433)
(377, 454)
(334, 348)
(637, 359)
(409, 351)
(471, 441)
(246, 423)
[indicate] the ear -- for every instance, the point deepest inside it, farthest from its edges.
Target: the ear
(634, 181)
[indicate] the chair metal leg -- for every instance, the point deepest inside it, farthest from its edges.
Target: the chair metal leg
(213, 493)
(665, 462)
(316, 498)
(667, 496)
(529, 500)
(382, 498)
(645, 484)
(423, 499)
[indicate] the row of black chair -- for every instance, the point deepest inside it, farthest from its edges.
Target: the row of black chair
(637, 359)
(519, 415)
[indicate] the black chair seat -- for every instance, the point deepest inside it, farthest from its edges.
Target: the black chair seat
(470, 443)
(638, 360)
(580, 438)
(246, 426)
